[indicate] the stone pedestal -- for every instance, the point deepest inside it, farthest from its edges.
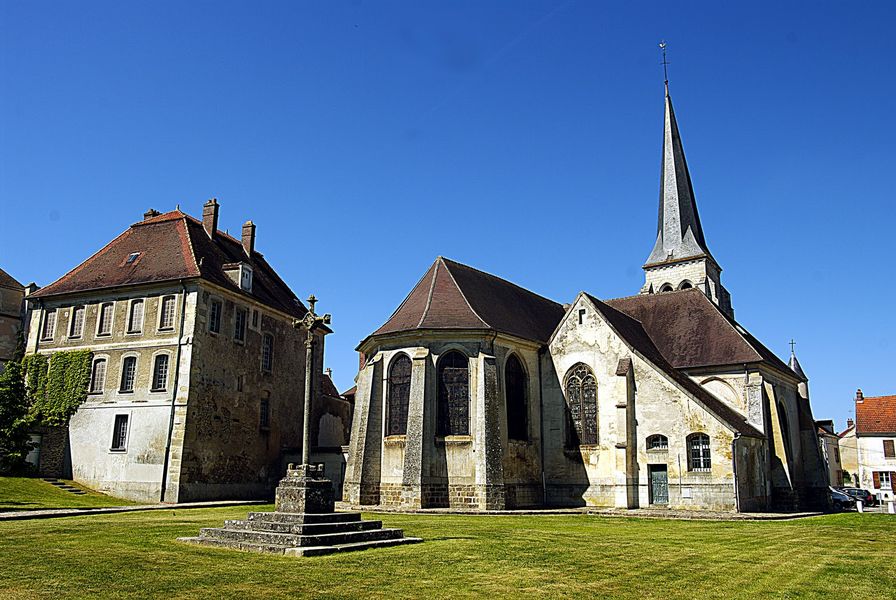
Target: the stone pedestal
(304, 490)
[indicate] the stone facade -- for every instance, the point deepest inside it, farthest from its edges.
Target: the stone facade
(12, 294)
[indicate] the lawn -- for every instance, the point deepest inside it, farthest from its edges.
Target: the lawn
(26, 493)
(576, 556)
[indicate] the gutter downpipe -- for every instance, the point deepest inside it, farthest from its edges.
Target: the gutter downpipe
(180, 336)
(544, 489)
(734, 470)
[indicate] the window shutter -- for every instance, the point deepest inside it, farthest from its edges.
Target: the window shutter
(876, 477)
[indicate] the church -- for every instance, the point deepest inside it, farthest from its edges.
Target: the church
(479, 394)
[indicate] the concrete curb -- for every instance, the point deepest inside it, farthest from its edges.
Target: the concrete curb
(23, 515)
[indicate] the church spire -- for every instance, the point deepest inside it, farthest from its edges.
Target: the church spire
(679, 233)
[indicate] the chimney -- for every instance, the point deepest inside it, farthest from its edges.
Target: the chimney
(849, 423)
(249, 238)
(859, 396)
(150, 214)
(210, 217)
(329, 372)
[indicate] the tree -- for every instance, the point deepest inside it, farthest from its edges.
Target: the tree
(14, 420)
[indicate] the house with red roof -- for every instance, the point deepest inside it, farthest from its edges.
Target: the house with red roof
(197, 370)
(479, 394)
(868, 446)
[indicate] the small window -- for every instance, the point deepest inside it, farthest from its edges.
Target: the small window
(214, 317)
(135, 318)
(255, 318)
(98, 376)
(685, 285)
(889, 450)
(77, 323)
(128, 374)
(160, 373)
(246, 277)
(267, 353)
(239, 325)
(131, 258)
(264, 412)
(657, 442)
(698, 452)
(166, 314)
(240, 382)
(104, 323)
(582, 312)
(666, 288)
(120, 433)
(882, 480)
(49, 329)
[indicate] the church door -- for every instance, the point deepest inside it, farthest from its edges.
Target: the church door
(659, 484)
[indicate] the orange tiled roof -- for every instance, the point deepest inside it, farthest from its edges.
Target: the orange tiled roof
(876, 415)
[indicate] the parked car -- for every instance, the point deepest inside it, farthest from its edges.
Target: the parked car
(865, 496)
(841, 501)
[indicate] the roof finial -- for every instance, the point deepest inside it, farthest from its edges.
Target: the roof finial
(792, 344)
(665, 63)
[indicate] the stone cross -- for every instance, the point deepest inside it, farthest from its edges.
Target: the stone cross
(311, 322)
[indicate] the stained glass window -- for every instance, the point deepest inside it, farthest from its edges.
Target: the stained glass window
(581, 399)
(454, 395)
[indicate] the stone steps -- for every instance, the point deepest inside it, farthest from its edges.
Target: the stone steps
(302, 518)
(300, 551)
(64, 486)
(298, 540)
(302, 528)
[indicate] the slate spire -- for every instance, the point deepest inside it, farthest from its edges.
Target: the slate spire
(794, 365)
(679, 233)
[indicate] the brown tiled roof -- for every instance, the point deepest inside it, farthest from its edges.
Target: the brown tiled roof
(7, 280)
(691, 331)
(454, 296)
(634, 334)
(174, 246)
(876, 415)
(328, 387)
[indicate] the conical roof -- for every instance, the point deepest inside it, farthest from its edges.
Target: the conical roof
(679, 233)
(794, 365)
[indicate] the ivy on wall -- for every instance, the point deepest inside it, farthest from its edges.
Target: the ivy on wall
(58, 386)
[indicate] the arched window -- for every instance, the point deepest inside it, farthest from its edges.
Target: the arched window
(685, 285)
(581, 400)
(698, 452)
(667, 287)
(515, 384)
(657, 442)
(454, 395)
(399, 395)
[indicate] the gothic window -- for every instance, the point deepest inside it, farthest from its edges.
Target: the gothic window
(166, 316)
(399, 395)
(454, 395)
(698, 452)
(135, 319)
(160, 373)
(98, 376)
(657, 442)
(581, 402)
(267, 352)
(128, 374)
(515, 384)
(49, 326)
(104, 322)
(77, 322)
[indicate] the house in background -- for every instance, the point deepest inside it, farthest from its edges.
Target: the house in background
(830, 450)
(197, 379)
(12, 294)
(868, 446)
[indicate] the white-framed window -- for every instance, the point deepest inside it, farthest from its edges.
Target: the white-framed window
(76, 324)
(128, 374)
(698, 452)
(882, 480)
(214, 316)
(267, 352)
(160, 373)
(166, 312)
(120, 433)
(239, 324)
(104, 320)
(135, 317)
(98, 376)
(49, 330)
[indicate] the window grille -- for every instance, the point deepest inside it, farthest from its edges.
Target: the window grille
(267, 352)
(77, 326)
(399, 395)
(160, 373)
(657, 442)
(698, 452)
(128, 374)
(581, 399)
(454, 395)
(515, 390)
(105, 320)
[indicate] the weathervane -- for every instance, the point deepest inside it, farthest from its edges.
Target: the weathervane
(665, 63)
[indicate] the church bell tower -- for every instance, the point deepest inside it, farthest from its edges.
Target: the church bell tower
(680, 258)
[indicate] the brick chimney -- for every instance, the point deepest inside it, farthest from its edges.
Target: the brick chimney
(210, 217)
(859, 396)
(249, 238)
(150, 214)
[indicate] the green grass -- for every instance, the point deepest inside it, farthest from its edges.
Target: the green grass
(26, 493)
(136, 555)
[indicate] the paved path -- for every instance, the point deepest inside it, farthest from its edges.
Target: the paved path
(105, 510)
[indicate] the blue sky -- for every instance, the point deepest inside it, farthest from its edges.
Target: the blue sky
(523, 138)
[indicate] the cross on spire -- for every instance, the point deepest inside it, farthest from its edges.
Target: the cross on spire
(792, 344)
(665, 63)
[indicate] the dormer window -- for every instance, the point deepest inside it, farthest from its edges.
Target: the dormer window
(246, 277)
